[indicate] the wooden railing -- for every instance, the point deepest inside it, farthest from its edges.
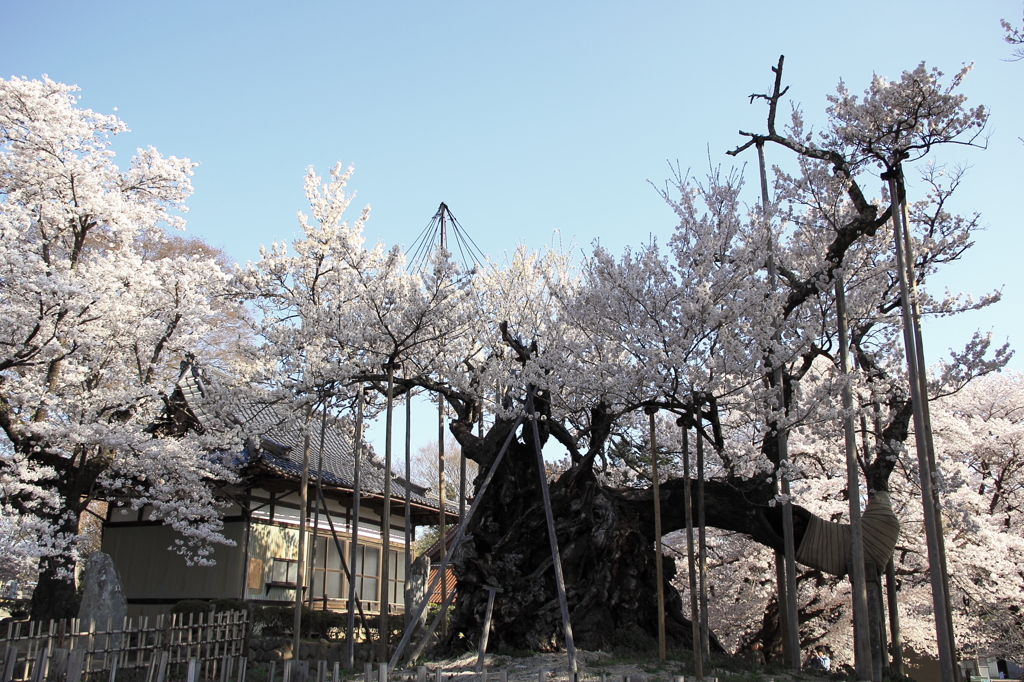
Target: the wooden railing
(64, 651)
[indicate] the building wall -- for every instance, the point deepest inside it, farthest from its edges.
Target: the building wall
(262, 565)
(153, 573)
(272, 553)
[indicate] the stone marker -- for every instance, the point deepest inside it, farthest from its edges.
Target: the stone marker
(416, 586)
(102, 597)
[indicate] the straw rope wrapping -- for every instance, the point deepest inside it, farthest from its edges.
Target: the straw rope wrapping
(826, 545)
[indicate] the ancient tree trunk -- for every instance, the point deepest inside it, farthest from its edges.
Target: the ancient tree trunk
(606, 549)
(55, 595)
(607, 557)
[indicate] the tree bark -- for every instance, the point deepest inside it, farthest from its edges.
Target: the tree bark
(55, 595)
(604, 536)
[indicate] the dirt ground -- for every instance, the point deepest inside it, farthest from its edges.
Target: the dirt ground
(591, 665)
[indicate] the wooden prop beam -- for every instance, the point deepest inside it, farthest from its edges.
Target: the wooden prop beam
(456, 543)
(658, 569)
(350, 643)
(861, 625)
(698, 649)
(563, 604)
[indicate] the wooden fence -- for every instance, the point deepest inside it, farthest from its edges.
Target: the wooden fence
(206, 645)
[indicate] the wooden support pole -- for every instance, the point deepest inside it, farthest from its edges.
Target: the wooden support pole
(570, 648)
(861, 619)
(441, 501)
(894, 617)
(316, 512)
(408, 493)
(350, 643)
(922, 376)
(702, 546)
(385, 522)
(698, 650)
(658, 568)
(414, 621)
(944, 638)
(782, 436)
(345, 565)
(485, 635)
(418, 649)
(301, 568)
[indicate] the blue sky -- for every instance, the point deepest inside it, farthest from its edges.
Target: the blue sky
(530, 119)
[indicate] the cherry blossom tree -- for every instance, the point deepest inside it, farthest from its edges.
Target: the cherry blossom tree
(691, 328)
(94, 329)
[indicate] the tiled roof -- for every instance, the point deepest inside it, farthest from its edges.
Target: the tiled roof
(450, 583)
(280, 435)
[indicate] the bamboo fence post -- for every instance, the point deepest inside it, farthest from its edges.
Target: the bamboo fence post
(10, 658)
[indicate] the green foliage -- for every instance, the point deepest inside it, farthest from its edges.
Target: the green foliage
(204, 606)
(279, 621)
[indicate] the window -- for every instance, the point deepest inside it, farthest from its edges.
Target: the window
(284, 572)
(365, 572)
(396, 579)
(328, 575)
